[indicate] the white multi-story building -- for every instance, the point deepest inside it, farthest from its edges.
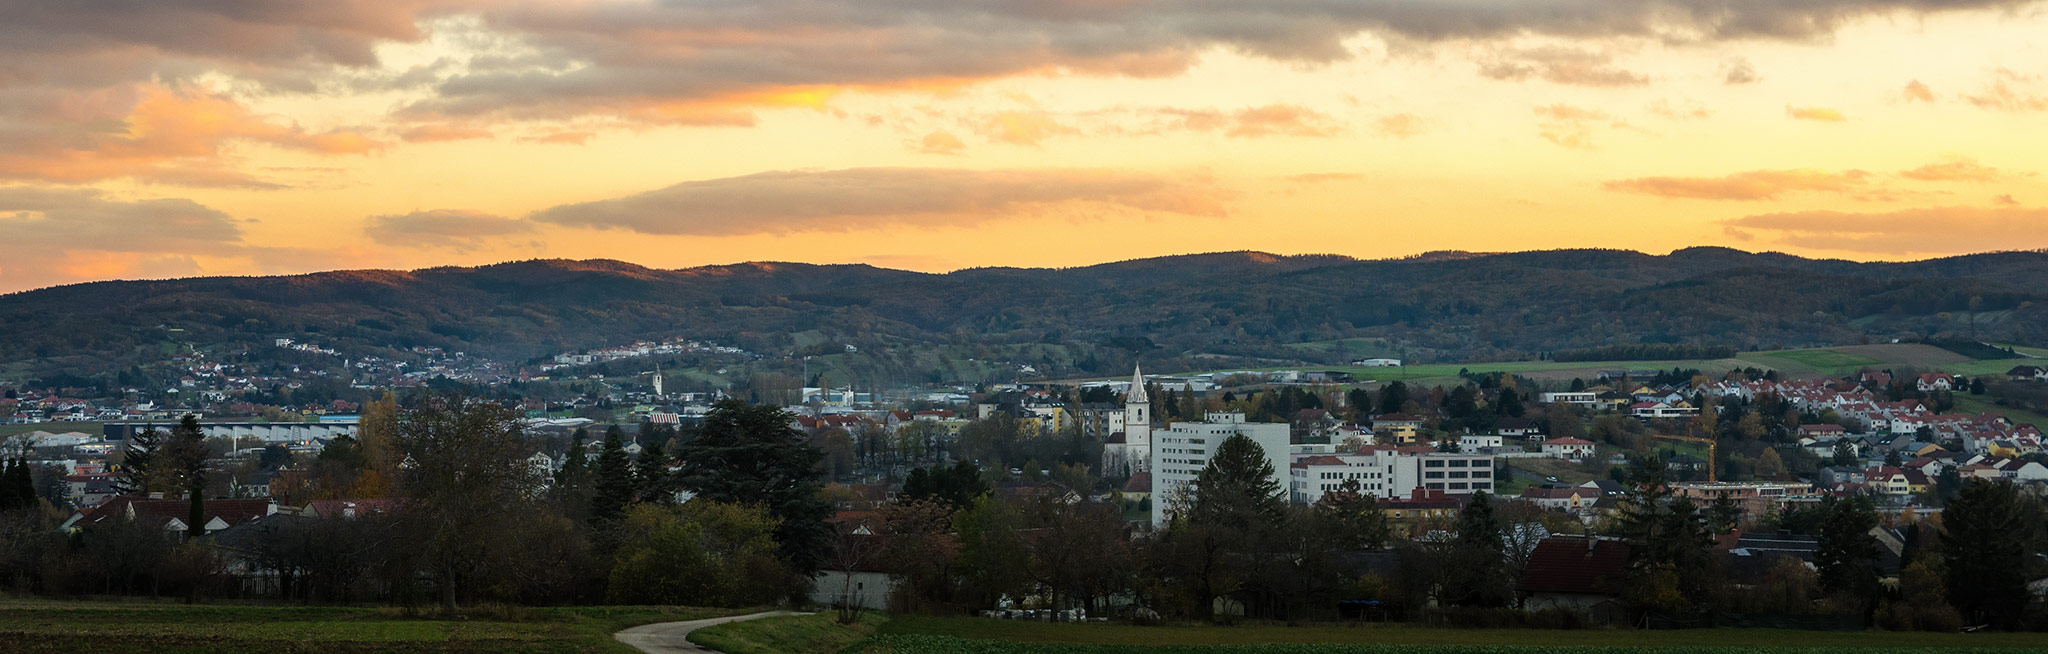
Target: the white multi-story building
(1181, 451)
(1389, 472)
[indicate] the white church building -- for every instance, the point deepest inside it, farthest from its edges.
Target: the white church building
(1129, 443)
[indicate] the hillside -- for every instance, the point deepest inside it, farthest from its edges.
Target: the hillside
(1470, 307)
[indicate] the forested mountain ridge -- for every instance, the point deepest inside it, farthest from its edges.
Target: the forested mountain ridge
(1447, 306)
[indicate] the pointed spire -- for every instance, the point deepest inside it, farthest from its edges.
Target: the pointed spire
(1137, 392)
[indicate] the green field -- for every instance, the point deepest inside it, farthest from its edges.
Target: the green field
(818, 632)
(51, 626)
(1820, 360)
(916, 635)
(28, 626)
(1968, 403)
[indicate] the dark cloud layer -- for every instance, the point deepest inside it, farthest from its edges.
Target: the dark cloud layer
(448, 228)
(1910, 231)
(858, 198)
(704, 61)
(1749, 185)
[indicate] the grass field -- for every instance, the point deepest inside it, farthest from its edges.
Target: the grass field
(1817, 359)
(818, 632)
(36, 626)
(1968, 403)
(1068, 637)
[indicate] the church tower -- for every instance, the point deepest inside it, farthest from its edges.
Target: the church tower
(1138, 420)
(657, 383)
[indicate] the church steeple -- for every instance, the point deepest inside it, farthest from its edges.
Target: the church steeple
(1137, 394)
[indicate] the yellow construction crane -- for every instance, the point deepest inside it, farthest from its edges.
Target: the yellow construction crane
(1696, 439)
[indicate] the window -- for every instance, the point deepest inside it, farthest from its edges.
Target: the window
(1433, 474)
(1433, 464)
(1457, 474)
(1458, 485)
(1482, 474)
(1460, 463)
(1434, 486)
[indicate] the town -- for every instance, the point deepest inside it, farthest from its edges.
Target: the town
(1834, 488)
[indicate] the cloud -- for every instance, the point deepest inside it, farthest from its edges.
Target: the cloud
(1930, 230)
(1402, 125)
(37, 217)
(1916, 91)
(1021, 127)
(1822, 114)
(1738, 71)
(438, 132)
(1572, 127)
(1955, 170)
(54, 235)
(940, 142)
(712, 63)
(1750, 185)
(1684, 109)
(2005, 201)
(1322, 178)
(1560, 65)
(442, 228)
(2010, 91)
(562, 137)
(153, 132)
(1269, 120)
(715, 63)
(861, 198)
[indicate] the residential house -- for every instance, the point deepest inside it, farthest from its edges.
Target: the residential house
(1517, 429)
(1478, 442)
(1935, 381)
(2027, 373)
(1574, 499)
(1568, 448)
(1396, 428)
(1576, 574)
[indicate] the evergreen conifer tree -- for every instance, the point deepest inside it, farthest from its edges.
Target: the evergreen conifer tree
(614, 481)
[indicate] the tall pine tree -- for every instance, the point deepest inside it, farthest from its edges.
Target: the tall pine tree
(750, 454)
(651, 475)
(614, 482)
(1993, 534)
(138, 462)
(188, 456)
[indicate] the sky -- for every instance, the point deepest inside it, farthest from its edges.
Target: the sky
(173, 138)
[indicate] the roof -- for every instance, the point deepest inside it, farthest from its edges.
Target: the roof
(1140, 482)
(1572, 564)
(157, 511)
(1396, 417)
(1514, 423)
(1540, 493)
(1567, 440)
(1318, 460)
(1137, 392)
(351, 508)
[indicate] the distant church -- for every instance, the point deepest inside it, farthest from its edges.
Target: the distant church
(1128, 447)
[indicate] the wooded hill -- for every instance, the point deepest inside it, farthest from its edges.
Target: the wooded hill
(1446, 306)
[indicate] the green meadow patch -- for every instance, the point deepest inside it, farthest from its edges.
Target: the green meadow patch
(51, 626)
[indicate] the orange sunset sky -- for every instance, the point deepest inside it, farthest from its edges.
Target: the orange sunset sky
(164, 138)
